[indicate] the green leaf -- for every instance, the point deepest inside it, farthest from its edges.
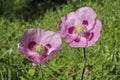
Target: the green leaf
(22, 78)
(31, 71)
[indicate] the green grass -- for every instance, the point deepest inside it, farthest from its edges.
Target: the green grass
(103, 57)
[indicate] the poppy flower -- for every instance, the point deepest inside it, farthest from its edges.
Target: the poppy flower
(80, 28)
(38, 45)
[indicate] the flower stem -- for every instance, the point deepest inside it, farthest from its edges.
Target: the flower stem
(84, 64)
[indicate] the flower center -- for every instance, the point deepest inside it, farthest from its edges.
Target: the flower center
(39, 48)
(79, 29)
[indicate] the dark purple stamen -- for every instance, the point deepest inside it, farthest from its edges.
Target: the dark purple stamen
(31, 45)
(86, 35)
(85, 22)
(71, 30)
(92, 34)
(49, 45)
(77, 39)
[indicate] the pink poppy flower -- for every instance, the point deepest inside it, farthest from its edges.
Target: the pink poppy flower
(80, 28)
(38, 45)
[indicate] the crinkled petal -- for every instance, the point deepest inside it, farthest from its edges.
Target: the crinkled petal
(96, 33)
(86, 16)
(30, 35)
(71, 20)
(78, 42)
(69, 38)
(67, 21)
(75, 40)
(62, 26)
(26, 52)
(45, 58)
(23, 50)
(51, 38)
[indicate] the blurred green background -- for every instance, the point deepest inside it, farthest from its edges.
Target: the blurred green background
(16, 16)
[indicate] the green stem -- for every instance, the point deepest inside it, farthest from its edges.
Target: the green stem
(84, 64)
